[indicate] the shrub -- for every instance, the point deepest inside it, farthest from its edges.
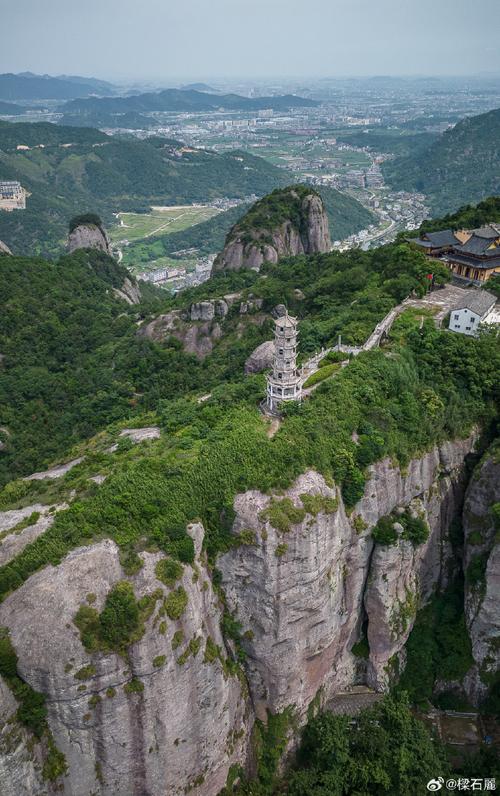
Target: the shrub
(282, 514)
(159, 661)
(384, 532)
(314, 504)
(177, 639)
(119, 621)
(321, 374)
(86, 672)
(415, 528)
(280, 550)
(135, 686)
(168, 571)
(175, 603)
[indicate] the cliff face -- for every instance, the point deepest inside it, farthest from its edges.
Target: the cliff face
(481, 526)
(303, 596)
(306, 584)
(286, 223)
(180, 732)
(4, 249)
(88, 236)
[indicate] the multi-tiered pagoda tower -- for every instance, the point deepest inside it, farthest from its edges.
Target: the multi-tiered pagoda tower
(285, 381)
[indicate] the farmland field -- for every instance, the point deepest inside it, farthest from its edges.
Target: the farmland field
(160, 221)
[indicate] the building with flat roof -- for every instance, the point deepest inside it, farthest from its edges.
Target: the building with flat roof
(12, 196)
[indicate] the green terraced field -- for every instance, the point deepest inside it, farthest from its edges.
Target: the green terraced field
(160, 221)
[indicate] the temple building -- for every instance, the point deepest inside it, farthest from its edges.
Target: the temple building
(284, 383)
(473, 256)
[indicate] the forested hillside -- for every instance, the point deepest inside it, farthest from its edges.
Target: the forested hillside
(345, 216)
(70, 170)
(82, 365)
(462, 166)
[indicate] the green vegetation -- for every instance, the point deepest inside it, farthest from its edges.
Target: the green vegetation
(177, 639)
(282, 514)
(111, 174)
(120, 623)
(159, 661)
(438, 646)
(281, 550)
(135, 686)
(168, 570)
(385, 750)
(175, 603)
(415, 529)
(321, 374)
(31, 712)
(462, 166)
(316, 504)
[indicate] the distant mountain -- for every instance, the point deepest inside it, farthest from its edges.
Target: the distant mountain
(9, 109)
(132, 120)
(174, 99)
(462, 166)
(80, 170)
(30, 86)
(198, 87)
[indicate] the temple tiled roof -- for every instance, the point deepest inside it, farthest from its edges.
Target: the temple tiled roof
(457, 256)
(478, 245)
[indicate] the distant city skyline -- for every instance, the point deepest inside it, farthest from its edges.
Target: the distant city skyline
(167, 42)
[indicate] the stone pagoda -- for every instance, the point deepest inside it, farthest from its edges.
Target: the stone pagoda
(284, 383)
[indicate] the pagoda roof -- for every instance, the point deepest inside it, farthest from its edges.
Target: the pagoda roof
(286, 320)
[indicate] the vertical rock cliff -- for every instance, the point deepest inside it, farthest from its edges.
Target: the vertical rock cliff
(304, 592)
(285, 223)
(167, 718)
(306, 581)
(481, 525)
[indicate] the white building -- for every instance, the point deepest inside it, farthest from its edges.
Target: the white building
(473, 310)
(12, 196)
(284, 383)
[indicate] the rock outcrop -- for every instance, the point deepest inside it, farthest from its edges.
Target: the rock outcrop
(4, 249)
(481, 525)
(303, 596)
(129, 291)
(181, 725)
(200, 326)
(88, 235)
(286, 223)
(306, 583)
(261, 357)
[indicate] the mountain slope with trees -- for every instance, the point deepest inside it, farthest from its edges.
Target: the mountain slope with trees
(69, 170)
(462, 166)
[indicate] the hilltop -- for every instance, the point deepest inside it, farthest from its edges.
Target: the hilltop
(345, 216)
(174, 99)
(68, 170)
(30, 86)
(287, 222)
(462, 166)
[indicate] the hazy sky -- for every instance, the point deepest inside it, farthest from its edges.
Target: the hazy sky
(172, 39)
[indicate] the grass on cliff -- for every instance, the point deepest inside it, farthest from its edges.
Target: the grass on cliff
(399, 405)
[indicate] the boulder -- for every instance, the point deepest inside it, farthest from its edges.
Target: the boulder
(261, 357)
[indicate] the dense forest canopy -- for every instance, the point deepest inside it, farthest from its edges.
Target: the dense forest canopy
(463, 165)
(69, 170)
